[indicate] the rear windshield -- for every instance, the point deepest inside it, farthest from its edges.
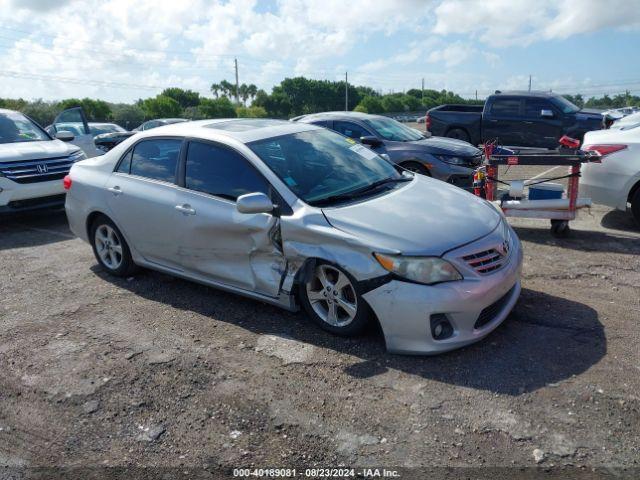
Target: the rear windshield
(391, 129)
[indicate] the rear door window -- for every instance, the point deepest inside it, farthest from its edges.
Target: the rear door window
(221, 172)
(351, 130)
(506, 107)
(156, 159)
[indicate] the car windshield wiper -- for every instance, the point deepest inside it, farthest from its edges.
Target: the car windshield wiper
(358, 192)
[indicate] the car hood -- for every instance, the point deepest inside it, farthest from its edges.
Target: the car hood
(110, 135)
(423, 217)
(441, 146)
(21, 151)
(587, 116)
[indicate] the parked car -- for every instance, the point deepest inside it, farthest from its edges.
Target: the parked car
(106, 141)
(73, 120)
(627, 122)
(296, 215)
(517, 119)
(158, 122)
(616, 181)
(445, 159)
(32, 163)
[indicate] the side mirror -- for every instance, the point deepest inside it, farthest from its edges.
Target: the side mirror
(65, 135)
(544, 113)
(371, 141)
(254, 203)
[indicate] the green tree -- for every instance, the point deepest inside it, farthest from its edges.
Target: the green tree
(216, 108)
(127, 116)
(410, 102)
(42, 112)
(370, 104)
(161, 106)
(251, 112)
(186, 98)
(392, 103)
(95, 110)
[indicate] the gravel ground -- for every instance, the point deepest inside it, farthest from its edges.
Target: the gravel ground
(158, 372)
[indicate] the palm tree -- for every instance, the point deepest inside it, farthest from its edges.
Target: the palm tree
(215, 88)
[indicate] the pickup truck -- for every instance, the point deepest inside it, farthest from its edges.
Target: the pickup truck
(529, 119)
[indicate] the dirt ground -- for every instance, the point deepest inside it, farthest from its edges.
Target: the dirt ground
(157, 372)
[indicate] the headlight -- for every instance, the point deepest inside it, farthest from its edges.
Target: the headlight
(77, 156)
(453, 160)
(426, 270)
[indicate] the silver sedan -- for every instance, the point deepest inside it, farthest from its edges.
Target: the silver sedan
(299, 216)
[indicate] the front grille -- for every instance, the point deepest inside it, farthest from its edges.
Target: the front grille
(489, 313)
(32, 171)
(488, 261)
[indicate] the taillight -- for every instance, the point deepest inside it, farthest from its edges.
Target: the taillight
(427, 122)
(604, 150)
(66, 182)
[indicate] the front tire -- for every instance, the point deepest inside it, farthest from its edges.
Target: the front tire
(331, 298)
(110, 248)
(416, 167)
(635, 206)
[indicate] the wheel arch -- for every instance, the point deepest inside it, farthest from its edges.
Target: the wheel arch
(404, 164)
(633, 190)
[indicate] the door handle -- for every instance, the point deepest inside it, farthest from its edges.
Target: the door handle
(528, 123)
(493, 121)
(115, 190)
(186, 209)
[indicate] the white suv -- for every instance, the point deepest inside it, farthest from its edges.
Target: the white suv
(32, 163)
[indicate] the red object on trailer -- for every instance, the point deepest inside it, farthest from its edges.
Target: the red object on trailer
(66, 182)
(569, 156)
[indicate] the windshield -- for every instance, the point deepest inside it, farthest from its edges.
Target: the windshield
(15, 127)
(391, 129)
(105, 128)
(565, 105)
(320, 164)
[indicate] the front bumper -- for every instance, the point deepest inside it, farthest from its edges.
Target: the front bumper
(404, 309)
(16, 197)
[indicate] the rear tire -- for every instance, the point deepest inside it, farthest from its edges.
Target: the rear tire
(331, 298)
(635, 206)
(110, 248)
(458, 134)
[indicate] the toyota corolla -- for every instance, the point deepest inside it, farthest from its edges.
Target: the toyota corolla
(301, 217)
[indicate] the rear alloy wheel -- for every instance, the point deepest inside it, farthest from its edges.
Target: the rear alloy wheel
(110, 248)
(458, 134)
(331, 299)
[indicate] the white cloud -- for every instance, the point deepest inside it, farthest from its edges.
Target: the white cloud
(522, 22)
(452, 54)
(192, 43)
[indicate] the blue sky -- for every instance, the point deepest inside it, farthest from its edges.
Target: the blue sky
(122, 50)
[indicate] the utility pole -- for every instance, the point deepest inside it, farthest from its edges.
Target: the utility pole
(346, 92)
(237, 84)
(476, 94)
(422, 89)
(529, 82)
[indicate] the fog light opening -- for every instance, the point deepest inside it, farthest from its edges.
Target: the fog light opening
(441, 327)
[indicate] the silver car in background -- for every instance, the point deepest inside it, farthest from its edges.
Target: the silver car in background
(298, 216)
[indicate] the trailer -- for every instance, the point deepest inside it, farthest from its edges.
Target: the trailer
(514, 204)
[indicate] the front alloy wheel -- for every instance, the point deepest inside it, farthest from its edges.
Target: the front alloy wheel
(331, 299)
